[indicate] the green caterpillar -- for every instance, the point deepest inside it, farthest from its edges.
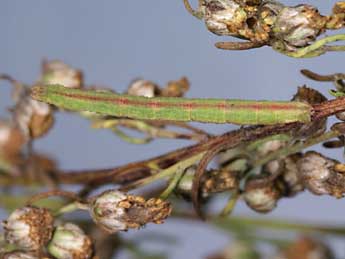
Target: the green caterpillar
(242, 112)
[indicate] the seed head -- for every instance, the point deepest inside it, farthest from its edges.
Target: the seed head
(176, 88)
(297, 26)
(290, 175)
(70, 242)
(106, 212)
(337, 19)
(224, 17)
(219, 181)
(339, 7)
(57, 72)
(270, 146)
(141, 87)
(115, 211)
(29, 228)
(12, 138)
(315, 170)
(261, 198)
(213, 181)
(318, 175)
(32, 117)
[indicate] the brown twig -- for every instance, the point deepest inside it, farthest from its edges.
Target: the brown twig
(245, 45)
(322, 78)
(61, 193)
(328, 108)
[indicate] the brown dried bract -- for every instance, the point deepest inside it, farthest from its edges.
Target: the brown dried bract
(29, 228)
(310, 96)
(219, 181)
(140, 212)
(41, 225)
(176, 88)
(34, 118)
(12, 139)
(40, 125)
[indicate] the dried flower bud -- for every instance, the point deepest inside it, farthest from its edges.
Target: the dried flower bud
(107, 213)
(273, 167)
(285, 169)
(141, 87)
(270, 146)
(318, 175)
(314, 170)
(115, 211)
(33, 118)
(219, 181)
(70, 242)
(224, 17)
(297, 26)
(236, 18)
(29, 228)
(339, 7)
(337, 19)
(57, 72)
(262, 198)
(310, 96)
(12, 138)
(290, 175)
(213, 181)
(19, 255)
(176, 88)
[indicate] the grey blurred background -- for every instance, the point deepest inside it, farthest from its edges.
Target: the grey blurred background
(114, 42)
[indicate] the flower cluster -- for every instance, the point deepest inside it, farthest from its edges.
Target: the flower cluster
(115, 211)
(285, 28)
(32, 230)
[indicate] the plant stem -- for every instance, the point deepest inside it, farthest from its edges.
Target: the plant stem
(172, 184)
(71, 207)
(299, 146)
(178, 167)
(235, 195)
(317, 48)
